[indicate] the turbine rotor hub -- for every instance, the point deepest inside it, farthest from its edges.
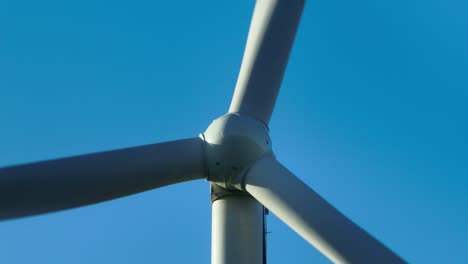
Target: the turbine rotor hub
(233, 142)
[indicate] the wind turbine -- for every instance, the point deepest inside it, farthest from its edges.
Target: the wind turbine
(235, 154)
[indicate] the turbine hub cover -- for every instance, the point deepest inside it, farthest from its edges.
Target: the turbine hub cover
(233, 142)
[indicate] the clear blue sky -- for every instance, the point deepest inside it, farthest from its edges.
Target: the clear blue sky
(372, 114)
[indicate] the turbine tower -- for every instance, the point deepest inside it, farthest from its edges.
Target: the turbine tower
(235, 154)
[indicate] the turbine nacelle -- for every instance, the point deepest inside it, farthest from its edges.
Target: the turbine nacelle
(233, 143)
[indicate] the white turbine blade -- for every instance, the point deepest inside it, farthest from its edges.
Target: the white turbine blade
(312, 217)
(81, 180)
(271, 35)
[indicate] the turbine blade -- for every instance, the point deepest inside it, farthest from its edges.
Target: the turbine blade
(312, 217)
(59, 184)
(271, 35)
